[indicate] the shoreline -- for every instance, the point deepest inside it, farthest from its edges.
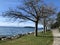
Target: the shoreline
(17, 36)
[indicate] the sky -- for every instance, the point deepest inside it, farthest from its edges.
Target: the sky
(6, 4)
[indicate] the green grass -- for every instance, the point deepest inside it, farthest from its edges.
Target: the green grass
(42, 39)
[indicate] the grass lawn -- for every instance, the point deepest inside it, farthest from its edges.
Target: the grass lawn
(42, 39)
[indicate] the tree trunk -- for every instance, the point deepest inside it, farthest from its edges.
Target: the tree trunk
(36, 28)
(44, 25)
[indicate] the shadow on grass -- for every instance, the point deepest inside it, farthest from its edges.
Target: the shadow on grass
(45, 36)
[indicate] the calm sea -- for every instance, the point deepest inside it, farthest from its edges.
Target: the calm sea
(15, 30)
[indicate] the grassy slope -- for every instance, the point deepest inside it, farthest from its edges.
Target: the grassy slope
(31, 40)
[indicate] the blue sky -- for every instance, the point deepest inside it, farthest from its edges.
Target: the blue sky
(55, 3)
(6, 4)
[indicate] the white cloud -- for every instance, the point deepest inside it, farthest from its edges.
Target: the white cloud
(19, 24)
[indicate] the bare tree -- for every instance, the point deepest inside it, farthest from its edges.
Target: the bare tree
(47, 11)
(30, 10)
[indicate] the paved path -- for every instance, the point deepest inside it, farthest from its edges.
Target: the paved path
(56, 35)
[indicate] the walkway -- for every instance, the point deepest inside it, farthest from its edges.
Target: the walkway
(56, 35)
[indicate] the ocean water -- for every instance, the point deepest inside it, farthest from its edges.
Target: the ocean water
(15, 30)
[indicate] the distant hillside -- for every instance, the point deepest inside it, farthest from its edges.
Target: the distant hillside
(28, 27)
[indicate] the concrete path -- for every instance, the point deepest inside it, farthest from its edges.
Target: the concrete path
(56, 35)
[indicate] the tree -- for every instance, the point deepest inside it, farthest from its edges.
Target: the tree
(30, 10)
(47, 12)
(49, 23)
(55, 25)
(58, 18)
